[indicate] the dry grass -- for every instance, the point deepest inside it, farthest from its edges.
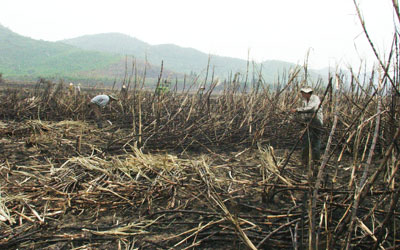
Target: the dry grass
(184, 171)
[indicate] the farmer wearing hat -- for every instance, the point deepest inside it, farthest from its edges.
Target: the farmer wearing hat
(78, 89)
(311, 103)
(124, 92)
(98, 102)
(71, 89)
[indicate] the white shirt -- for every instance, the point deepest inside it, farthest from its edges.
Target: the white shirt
(101, 100)
(310, 107)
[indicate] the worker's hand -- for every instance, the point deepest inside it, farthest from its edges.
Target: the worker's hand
(293, 111)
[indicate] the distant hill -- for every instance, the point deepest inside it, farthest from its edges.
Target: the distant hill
(105, 57)
(25, 58)
(176, 58)
(110, 42)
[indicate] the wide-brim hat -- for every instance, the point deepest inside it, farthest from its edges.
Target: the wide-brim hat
(113, 98)
(306, 90)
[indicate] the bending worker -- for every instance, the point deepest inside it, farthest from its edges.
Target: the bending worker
(311, 103)
(98, 102)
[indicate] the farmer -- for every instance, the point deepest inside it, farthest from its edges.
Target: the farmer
(124, 92)
(71, 89)
(98, 102)
(311, 103)
(78, 89)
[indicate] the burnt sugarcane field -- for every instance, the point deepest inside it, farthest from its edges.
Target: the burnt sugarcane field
(196, 168)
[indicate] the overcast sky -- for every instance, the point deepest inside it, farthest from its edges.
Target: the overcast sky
(267, 29)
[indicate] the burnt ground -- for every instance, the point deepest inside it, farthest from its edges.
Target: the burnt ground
(69, 185)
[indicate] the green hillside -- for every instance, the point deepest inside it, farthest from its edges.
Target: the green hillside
(175, 58)
(184, 60)
(102, 57)
(25, 57)
(110, 42)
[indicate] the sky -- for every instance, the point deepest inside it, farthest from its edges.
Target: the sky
(328, 31)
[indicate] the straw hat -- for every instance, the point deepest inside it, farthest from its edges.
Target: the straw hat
(306, 90)
(113, 97)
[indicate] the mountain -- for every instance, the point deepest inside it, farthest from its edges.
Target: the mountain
(25, 58)
(109, 42)
(184, 60)
(175, 58)
(106, 57)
